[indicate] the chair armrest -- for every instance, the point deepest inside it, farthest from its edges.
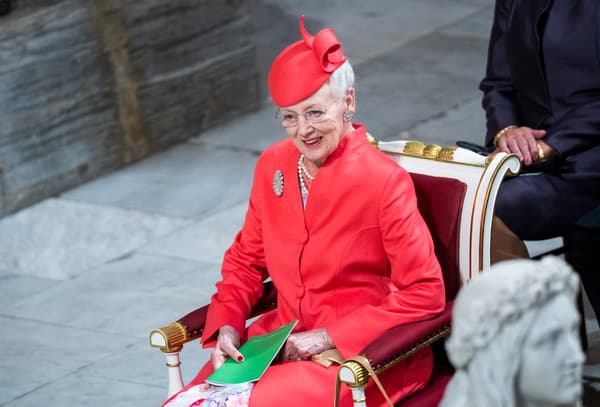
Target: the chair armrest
(172, 337)
(395, 345)
(402, 341)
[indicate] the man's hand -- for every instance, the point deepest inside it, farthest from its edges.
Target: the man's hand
(228, 343)
(523, 141)
(303, 345)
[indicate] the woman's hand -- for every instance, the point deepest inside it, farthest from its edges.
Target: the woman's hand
(228, 343)
(303, 345)
(523, 142)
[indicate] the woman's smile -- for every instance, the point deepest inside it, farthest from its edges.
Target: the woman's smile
(312, 142)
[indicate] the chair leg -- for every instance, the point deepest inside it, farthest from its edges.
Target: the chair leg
(175, 378)
(358, 397)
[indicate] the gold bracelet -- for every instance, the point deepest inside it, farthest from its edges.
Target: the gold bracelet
(501, 133)
(541, 154)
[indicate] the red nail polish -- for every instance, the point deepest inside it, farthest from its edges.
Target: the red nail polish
(240, 358)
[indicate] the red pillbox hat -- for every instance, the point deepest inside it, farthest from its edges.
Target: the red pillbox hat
(303, 67)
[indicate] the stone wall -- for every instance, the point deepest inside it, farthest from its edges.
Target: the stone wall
(87, 86)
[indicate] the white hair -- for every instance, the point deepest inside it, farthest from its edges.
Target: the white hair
(341, 79)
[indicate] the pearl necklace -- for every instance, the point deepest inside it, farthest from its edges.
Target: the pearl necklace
(301, 165)
(301, 172)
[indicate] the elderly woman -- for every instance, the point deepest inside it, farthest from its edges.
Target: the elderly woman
(515, 338)
(335, 225)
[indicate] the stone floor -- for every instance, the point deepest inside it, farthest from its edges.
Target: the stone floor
(84, 276)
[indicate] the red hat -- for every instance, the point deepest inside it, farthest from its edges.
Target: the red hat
(303, 67)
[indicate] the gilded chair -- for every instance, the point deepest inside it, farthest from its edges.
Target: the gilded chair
(456, 190)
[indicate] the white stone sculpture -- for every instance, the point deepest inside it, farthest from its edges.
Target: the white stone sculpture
(515, 338)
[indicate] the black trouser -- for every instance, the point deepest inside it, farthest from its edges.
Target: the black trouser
(581, 251)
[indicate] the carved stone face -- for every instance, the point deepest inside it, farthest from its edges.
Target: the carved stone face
(551, 359)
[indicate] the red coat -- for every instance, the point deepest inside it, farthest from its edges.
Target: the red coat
(357, 260)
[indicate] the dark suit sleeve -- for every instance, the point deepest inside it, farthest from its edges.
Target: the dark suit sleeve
(577, 131)
(497, 86)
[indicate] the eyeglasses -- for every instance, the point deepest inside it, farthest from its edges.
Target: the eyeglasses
(313, 115)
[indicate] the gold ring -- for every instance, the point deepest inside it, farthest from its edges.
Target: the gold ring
(541, 154)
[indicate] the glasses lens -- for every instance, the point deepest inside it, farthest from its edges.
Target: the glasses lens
(287, 119)
(315, 115)
(290, 119)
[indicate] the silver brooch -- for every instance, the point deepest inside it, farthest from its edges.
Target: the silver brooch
(278, 183)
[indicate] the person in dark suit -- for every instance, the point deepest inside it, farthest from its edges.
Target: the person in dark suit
(541, 95)
(542, 102)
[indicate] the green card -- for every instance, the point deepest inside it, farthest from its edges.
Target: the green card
(259, 352)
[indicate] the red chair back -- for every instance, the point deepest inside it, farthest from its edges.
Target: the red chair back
(440, 202)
